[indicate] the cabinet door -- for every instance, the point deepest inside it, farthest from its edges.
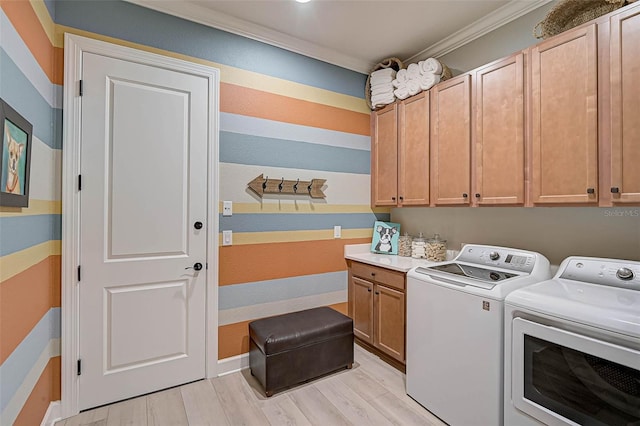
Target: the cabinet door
(389, 321)
(565, 118)
(413, 151)
(499, 147)
(625, 126)
(384, 156)
(451, 142)
(362, 309)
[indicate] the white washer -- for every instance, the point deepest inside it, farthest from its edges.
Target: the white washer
(572, 346)
(455, 319)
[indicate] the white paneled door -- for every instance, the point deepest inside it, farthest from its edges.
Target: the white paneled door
(143, 216)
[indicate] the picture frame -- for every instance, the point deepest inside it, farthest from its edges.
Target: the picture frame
(385, 237)
(15, 164)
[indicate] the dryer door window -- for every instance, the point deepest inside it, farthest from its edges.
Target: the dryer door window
(578, 379)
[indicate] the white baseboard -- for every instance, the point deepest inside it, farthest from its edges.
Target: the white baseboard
(53, 414)
(233, 364)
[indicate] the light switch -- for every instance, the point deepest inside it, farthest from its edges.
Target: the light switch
(227, 208)
(337, 231)
(227, 238)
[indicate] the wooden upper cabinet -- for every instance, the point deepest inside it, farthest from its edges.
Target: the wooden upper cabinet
(413, 151)
(499, 133)
(565, 118)
(625, 105)
(384, 156)
(451, 142)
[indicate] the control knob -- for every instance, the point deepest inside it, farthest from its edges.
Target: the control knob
(625, 274)
(494, 255)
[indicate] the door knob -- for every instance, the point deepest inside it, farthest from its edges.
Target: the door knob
(196, 266)
(197, 225)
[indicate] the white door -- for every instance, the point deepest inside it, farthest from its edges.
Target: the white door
(143, 164)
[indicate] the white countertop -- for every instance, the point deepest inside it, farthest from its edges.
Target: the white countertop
(362, 253)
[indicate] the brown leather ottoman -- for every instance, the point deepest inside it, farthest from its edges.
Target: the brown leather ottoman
(292, 348)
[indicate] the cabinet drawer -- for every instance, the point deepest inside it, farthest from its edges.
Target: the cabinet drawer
(384, 276)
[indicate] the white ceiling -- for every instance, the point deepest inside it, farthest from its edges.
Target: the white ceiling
(354, 34)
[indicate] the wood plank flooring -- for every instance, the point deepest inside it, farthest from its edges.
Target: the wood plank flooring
(371, 393)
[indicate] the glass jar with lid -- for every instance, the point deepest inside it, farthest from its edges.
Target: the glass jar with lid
(436, 249)
(404, 245)
(418, 249)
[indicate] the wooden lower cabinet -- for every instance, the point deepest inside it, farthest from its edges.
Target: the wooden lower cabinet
(378, 309)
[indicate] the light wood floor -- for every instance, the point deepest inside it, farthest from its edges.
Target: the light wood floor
(372, 393)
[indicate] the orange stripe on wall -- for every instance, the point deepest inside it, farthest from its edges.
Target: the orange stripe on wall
(26, 298)
(47, 389)
(233, 339)
(259, 262)
(255, 103)
(26, 22)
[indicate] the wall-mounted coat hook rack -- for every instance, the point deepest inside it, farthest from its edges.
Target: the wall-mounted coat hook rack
(261, 185)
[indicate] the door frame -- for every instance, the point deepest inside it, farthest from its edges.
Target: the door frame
(74, 47)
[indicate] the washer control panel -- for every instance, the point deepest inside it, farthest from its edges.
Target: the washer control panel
(611, 272)
(515, 260)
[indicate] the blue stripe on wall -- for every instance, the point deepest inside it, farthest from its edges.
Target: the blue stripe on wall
(257, 150)
(256, 222)
(16, 367)
(21, 232)
(140, 25)
(238, 295)
(18, 92)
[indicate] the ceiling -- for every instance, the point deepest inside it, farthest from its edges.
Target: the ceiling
(354, 34)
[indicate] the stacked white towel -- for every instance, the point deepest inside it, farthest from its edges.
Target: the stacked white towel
(417, 77)
(382, 87)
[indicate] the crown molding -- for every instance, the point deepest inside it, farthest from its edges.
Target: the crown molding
(201, 15)
(501, 16)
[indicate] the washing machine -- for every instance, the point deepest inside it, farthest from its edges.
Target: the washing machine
(572, 346)
(455, 323)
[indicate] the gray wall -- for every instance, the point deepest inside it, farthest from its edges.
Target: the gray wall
(557, 232)
(513, 37)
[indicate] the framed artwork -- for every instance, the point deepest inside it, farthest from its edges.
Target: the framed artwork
(16, 157)
(385, 237)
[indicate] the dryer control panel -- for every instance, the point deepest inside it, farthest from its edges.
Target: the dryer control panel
(610, 272)
(506, 258)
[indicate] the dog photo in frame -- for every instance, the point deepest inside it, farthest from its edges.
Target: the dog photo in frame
(385, 237)
(16, 157)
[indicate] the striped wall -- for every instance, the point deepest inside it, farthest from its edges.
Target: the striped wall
(282, 115)
(30, 237)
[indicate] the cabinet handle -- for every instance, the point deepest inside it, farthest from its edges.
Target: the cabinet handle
(465, 195)
(369, 290)
(393, 198)
(591, 191)
(615, 190)
(373, 274)
(477, 195)
(377, 292)
(401, 198)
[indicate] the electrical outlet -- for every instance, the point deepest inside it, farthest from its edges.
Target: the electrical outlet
(227, 238)
(227, 208)
(337, 231)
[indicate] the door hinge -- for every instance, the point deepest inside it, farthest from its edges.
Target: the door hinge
(78, 273)
(79, 367)
(79, 182)
(80, 87)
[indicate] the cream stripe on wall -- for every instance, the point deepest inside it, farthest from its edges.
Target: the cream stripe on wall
(241, 238)
(10, 413)
(247, 79)
(17, 262)
(36, 207)
(341, 188)
(247, 313)
(18, 51)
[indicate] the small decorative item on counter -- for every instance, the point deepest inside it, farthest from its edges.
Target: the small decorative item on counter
(404, 245)
(385, 237)
(436, 249)
(418, 249)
